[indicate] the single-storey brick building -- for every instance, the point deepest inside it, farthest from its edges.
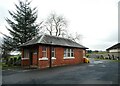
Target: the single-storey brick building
(48, 51)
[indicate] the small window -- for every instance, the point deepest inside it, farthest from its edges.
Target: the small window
(68, 53)
(44, 51)
(53, 52)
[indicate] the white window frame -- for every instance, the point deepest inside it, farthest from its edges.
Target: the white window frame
(53, 51)
(44, 58)
(66, 53)
(44, 52)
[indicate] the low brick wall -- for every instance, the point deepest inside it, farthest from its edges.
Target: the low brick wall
(25, 62)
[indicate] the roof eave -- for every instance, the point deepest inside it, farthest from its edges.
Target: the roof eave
(54, 45)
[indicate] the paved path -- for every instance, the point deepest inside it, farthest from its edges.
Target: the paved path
(96, 72)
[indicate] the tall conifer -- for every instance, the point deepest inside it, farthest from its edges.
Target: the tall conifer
(23, 25)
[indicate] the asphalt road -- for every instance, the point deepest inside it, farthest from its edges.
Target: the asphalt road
(96, 72)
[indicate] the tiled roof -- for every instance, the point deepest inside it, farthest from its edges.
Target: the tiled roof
(53, 40)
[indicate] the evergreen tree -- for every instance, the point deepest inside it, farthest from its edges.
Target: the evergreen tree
(23, 26)
(6, 46)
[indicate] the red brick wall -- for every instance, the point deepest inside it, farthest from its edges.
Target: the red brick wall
(59, 54)
(25, 62)
(76, 60)
(43, 63)
(79, 55)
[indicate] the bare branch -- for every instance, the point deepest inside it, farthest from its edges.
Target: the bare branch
(55, 24)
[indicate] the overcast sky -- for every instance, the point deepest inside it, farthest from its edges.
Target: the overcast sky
(95, 20)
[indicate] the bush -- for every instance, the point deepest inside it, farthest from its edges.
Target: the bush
(13, 60)
(87, 55)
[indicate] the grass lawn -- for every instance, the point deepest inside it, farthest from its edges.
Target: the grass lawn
(5, 66)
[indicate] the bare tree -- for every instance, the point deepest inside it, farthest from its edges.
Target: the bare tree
(75, 37)
(55, 25)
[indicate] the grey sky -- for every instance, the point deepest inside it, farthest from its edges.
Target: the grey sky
(95, 20)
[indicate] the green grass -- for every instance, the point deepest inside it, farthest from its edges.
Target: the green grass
(116, 60)
(99, 59)
(5, 66)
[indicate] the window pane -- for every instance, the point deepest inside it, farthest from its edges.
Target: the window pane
(65, 52)
(68, 54)
(68, 50)
(44, 52)
(72, 55)
(53, 54)
(52, 49)
(71, 50)
(44, 49)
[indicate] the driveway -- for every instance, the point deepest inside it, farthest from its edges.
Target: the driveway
(96, 72)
